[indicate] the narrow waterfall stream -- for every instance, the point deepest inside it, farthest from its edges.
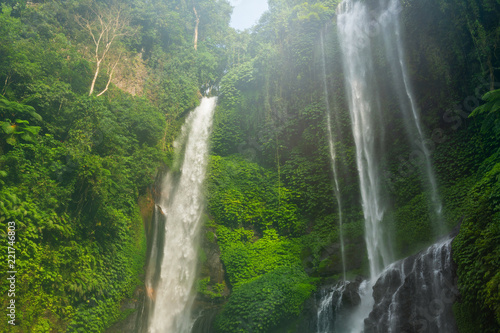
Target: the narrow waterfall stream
(329, 303)
(169, 286)
(333, 154)
(325, 312)
(393, 44)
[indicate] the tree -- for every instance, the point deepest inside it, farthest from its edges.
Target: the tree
(106, 27)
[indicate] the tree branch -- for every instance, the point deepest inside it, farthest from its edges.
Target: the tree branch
(110, 76)
(106, 27)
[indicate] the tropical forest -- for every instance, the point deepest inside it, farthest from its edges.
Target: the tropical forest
(332, 167)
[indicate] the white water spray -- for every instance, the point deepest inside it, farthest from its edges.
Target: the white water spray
(182, 204)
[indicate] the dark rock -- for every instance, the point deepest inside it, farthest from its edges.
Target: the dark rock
(350, 297)
(205, 319)
(416, 294)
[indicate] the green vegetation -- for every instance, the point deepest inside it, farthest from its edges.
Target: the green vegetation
(264, 302)
(477, 247)
(271, 153)
(83, 133)
(243, 194)
(76, 154)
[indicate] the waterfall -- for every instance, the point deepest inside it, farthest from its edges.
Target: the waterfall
(393, 44)
(333, 154)
(325, 311)
(181, 204)
(359, 31)
(366, 116)
(328, 306)
(365, 113)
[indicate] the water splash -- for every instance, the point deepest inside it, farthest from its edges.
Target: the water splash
(329, 304)
(354, 323)
(181, 203)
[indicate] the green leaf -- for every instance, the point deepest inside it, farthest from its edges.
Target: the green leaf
(11, 140)
(493, 105)
(7, 127)
(491, 95)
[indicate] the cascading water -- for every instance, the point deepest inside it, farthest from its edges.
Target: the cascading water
(333, 155)
(366, 115)
(416, 294)
(325, 311)
(357, 32)
(329, 303)
(181, 205)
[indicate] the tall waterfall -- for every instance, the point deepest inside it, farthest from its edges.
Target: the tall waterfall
(181, 205)
(366, 117)
(333, 154)
(360, 31)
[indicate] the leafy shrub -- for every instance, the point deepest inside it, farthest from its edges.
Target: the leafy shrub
(242, 193)
(264, 302)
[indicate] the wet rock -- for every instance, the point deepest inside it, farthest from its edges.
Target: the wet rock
(416, 294)
(205, 319)
(350, 297)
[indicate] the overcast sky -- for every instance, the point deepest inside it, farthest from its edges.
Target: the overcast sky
(246, 12)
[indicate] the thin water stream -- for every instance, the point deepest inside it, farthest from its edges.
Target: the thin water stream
(333, 155)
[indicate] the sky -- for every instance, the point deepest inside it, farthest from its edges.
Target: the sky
(246, 13)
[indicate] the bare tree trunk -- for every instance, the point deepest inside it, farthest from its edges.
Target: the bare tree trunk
(110, 77)
(96, 74)
(492, 74)
(196, 28)
(107, 26)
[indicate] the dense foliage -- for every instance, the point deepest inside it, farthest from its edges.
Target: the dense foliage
(477, 247)
(271, 152)
(74, 161)
(85, 126)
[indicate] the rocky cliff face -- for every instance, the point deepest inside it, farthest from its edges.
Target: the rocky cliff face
(212, 295)
(416, 294)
